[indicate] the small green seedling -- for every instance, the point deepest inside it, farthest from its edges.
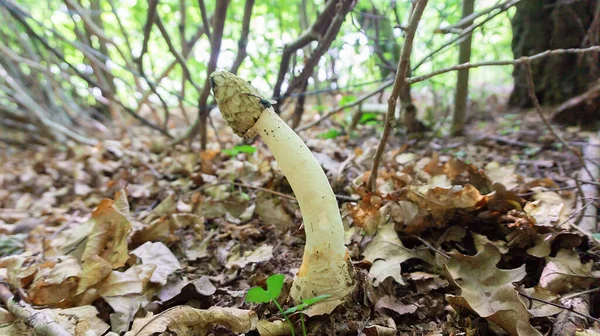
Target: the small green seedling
(331, 134)
(239, 149)
(274, 286)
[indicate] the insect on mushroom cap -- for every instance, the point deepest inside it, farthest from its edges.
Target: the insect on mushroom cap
(237, 102)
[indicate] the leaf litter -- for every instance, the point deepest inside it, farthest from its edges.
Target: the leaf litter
(115, 238)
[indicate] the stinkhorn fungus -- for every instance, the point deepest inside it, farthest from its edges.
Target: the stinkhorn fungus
(325, 268)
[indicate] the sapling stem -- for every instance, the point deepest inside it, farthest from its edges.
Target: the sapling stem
(325, 265)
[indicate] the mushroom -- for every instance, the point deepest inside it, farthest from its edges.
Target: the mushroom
(326, 266)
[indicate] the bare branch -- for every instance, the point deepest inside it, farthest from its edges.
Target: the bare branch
(517, 61)
(468, 20)
(175, 52)
(243, 41)
(205, 17)
(399, 83)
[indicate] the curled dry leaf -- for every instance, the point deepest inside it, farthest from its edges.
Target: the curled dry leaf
(538, 308)
(386, 252)
(442, 202)
(488, 290)
(394, 304)
(565, 272)
(185, 320)
(273, 328)
(55, 281)
(261, 254)
(158, 254)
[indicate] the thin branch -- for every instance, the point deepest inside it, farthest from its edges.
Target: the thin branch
(338, 109)
(468, 20)
(517, 61)
(180, 59)
(591, 318)
(215, 48)
(399, 83)
(205, 17)
(317, 29)
(324, 43)
(243, 41)
(466, 32)
(150, 16)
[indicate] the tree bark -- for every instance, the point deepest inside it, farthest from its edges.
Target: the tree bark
(540, 25)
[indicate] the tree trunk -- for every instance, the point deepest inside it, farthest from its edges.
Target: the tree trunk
(462, 81)
(540, 25)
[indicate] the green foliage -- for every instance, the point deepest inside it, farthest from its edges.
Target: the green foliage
(347, 100)
(331, 134)
(274, 287)
(367, 118)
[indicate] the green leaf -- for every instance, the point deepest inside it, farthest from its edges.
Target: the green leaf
(239, 149)
(331, 134)
(366, 117)
(257, 295)
(230, 151)
(274, 285)
(596, 235)
(347, 100)
(246, 149)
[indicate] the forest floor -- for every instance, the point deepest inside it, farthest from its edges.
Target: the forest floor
(472, 235)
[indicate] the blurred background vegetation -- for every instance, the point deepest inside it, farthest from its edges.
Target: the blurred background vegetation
(71, 66)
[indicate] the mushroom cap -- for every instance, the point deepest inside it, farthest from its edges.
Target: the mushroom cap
(237, 101)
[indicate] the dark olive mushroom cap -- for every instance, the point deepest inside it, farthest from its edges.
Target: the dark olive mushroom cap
(237, 101)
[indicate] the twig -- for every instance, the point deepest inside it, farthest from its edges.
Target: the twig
(215, 48)
(431, 247)
(517, 61)
(538, 108)
(591, 318)
(468, 20)
(180, 59)
(531, 193)
(585, 292)
(205, 18)
(311, 34)
(399, 83)
(338, 109)
(41, 323)
(571, 216)
(466, 32)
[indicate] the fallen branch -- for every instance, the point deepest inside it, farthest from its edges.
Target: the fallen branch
(399, 83)
(41, 323)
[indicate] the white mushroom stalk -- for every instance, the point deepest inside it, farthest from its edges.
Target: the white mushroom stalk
(326, 268)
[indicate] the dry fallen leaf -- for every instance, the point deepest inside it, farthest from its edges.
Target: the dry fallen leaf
(565, 272)
(158, 254)
(386, 252)
(261, 254)
(488, 290)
